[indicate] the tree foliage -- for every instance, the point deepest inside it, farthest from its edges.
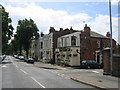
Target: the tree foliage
(26, 29)
(7, 29)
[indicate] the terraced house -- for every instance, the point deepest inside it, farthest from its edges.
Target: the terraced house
(44, 47)
(83, 45)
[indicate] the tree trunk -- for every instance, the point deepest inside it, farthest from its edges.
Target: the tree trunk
(27, 53)
(20, 51)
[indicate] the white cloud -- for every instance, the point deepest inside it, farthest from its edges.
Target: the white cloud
(115, 2)
(47, 17)
(59, 18)
(101, 25)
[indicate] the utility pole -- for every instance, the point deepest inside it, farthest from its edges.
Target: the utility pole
(0, 29)
(111, 49)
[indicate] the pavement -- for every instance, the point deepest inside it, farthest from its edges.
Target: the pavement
(105, 82)
(48, 66)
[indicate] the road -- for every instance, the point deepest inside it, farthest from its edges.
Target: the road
(18, 74)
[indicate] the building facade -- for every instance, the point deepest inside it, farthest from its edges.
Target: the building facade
(82, 45)
(43, 48)
(49, 42)
(66, 52)
(46, 47)
(34, 50)
(92, 44)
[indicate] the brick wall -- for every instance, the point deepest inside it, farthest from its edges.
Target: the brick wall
(106, 61)
(89, 45)
(107, 65)
(116, 65)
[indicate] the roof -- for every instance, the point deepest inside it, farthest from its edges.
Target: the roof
(94, 34)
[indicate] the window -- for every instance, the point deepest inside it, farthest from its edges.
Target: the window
(73, 41)
(62, 41)
(104, 45)
(41, 45)
(108, 44)
(98, 44)
(41, 55)
(65, 42)
(50, 42)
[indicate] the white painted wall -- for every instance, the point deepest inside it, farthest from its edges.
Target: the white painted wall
(65, 41)
(47, 40)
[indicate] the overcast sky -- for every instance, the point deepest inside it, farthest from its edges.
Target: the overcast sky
(64, 14)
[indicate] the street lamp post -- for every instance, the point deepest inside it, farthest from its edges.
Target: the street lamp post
(111, 49)
(1, 29)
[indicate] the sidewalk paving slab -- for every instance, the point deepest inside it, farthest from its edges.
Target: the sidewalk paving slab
(48, 66)
(100, 82)
(104, 82)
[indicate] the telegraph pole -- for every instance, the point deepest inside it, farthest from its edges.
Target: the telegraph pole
(111, 49)
(0, 29)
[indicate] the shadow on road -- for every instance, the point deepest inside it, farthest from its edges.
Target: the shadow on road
(6, 62)
(19, 60)
(50, 68)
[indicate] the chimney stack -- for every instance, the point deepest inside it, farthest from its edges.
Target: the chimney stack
(51, 30)
(86, 28)
(108, 34)
(61, 29)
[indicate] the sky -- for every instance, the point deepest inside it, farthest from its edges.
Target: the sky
(65, 13)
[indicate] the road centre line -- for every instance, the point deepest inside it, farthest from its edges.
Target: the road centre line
(16, 66)
(95, 71)
(3, 66)
(23, 71)
(38, 82)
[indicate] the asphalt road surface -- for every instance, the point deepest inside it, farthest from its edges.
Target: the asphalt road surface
(18, 74)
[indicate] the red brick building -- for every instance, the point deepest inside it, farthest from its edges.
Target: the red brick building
(92, 44)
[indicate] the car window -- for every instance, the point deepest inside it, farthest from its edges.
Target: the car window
(83, 61)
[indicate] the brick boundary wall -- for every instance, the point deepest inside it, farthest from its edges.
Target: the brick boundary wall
(116, 65)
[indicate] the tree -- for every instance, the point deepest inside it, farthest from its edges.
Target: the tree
(14, 46)
(26, 29)
(7, 29)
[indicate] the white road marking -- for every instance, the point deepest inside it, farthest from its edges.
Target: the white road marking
(4, 66)
(95, 71)
(58, 74)
(66, 77)
(23, 71)
(27, 64)
(38, 82)
(16, 66)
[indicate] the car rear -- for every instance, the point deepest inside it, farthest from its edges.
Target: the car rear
(30, 60)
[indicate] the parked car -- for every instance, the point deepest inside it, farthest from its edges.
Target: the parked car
(16, 56)
(90, 64)
(21, 57)
(25, 59)
(2, 57)
(30, 60)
